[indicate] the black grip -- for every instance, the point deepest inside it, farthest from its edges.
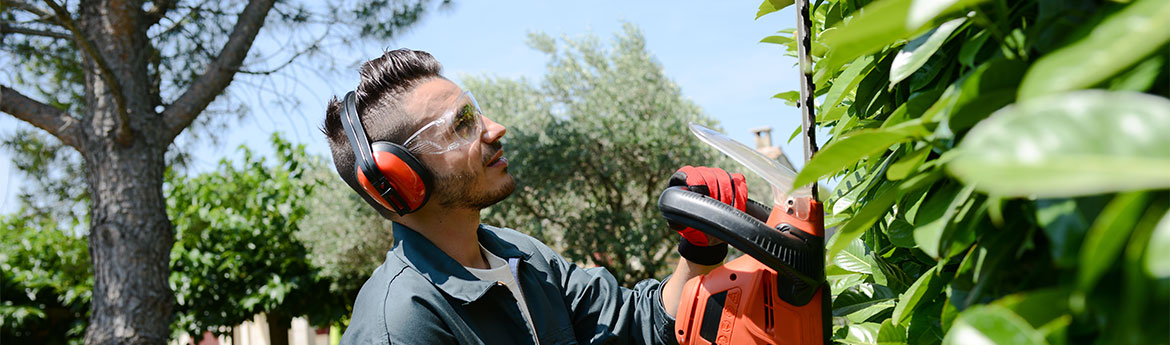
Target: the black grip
(784, 249)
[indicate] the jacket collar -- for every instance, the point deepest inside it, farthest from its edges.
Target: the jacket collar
(443, 271)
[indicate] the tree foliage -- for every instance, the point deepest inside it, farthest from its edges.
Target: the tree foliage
(591, 147)
(985, 197)
(45, 282)
(235, 252)
(346, 238)
(118, 81)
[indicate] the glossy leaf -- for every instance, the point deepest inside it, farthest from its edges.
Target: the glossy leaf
(862, 334)
(860, 296)
(992, 324)
(873, 210)
(915, 53)
(1079, 143)
(854, 258)
(844, 84)
(922, 288)
(1121, 40)
(841, 153)
(891, 334)
(777, 39)
(936, 220)
(1065, 227)
(907, 164)
(1158, 254)
(769, 6)
(1107, 237)
(789, 97)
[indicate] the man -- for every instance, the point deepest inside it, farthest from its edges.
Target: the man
(416, 148)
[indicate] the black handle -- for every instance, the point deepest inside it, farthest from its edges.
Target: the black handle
(784, 248)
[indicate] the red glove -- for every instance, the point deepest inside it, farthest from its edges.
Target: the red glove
(729, 188)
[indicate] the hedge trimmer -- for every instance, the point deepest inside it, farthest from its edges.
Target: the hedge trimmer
(776, 293)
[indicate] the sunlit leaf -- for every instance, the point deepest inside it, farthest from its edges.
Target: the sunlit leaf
(844, 84)
(992, 325)
(891, 334)
(1158, 252)
(907, 164)
(1079, 143)
(839, 154)
(862, 334)
(854, 258)
(1121, 40)
(914, 295)
(915, 53)
(777, 39)
(873, 209)
(769, 6)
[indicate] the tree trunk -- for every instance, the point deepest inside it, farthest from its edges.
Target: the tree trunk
(278, 325)
(130, 235)
(130, 242)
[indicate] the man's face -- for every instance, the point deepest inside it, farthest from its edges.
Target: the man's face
(472, 176)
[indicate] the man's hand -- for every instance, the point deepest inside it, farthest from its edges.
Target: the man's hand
(729, 188)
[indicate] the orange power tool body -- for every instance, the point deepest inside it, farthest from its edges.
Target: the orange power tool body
(776, 293)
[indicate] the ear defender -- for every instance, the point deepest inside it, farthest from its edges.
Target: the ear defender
(387, 172)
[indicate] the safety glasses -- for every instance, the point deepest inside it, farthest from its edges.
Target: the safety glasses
(458, 126)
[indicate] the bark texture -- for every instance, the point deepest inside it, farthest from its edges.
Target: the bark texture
(123, 141)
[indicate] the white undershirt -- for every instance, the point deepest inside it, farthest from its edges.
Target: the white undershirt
(502, 272)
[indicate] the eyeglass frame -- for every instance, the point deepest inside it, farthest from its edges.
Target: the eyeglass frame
(452, 144)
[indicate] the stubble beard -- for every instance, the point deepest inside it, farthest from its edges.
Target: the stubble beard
(457, 191)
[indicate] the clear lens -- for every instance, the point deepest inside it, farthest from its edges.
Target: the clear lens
(460, 125)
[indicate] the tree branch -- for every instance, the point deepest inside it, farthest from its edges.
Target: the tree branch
(219, 73)
(27, 7)
(122, 134)
(158, 11)
(7, 29)
(55, 121)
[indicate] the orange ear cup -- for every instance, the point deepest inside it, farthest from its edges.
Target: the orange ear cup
(409, 178)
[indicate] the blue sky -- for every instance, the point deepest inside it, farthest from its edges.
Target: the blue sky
(710, 49)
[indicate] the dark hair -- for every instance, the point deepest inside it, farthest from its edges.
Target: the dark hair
(384, 82)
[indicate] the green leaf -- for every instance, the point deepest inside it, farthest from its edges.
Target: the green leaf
(901, 233)
(923, 11)
(777, 39)
(872, 210)
(907, 164)
(914, 295)
(844, 84)
(873, 27)
(854, 258)
(1121, 40)
(1037, 307)
(891, 334)
(992, 324)
(862, 334)
(1079, 143)
(935, 219)
(968, 53)
(791, 98)
(848, 150)
(769, 6)
(1108, 235)
(915, 53)
(877, 25)
(1065, 227)
(860, 296)
(1158, 252)
(1140, 77)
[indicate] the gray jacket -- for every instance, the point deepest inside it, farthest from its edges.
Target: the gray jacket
(422, 296)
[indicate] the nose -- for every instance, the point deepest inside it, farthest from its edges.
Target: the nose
(493, 131)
